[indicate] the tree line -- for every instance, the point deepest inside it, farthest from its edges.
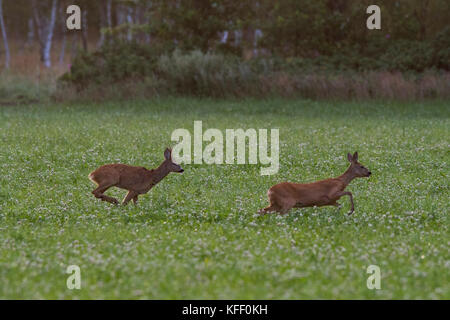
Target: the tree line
(285, 28)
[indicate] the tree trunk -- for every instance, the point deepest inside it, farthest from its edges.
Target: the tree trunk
(74, 45)
(48, 39)
(30, 34)
(5, 38)
(108, 18)
(84, 32)
(45, 29)
(63, 50)
(102, 21)
(130, 23)
(108, 13)
(63, 44)
(121, 17)
(224, 37)
(421, 19)
(147, 22)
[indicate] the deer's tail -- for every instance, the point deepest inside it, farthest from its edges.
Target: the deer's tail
(91, 177)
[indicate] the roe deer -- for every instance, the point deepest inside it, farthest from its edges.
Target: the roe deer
(137, 180)
(287, 195)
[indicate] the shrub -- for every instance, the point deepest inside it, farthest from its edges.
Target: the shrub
(196, 73)
(133, 70)
(114, 63)
(441, 48)
(404, 55)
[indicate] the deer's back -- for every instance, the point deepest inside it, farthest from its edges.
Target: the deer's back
(305, 193)
(120, 175)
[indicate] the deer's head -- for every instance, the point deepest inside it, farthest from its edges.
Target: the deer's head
(170, 165)
(357, 169)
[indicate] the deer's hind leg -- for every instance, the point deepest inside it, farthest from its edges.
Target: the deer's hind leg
(130, 195)
(99, 193)
(273, 207)
(273, 204)
(287, 205)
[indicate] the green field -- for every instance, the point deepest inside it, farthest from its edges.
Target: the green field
(196, 235)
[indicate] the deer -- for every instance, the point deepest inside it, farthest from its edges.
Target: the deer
(137, 180)
(286, 195)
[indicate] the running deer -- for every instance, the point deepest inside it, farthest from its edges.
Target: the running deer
(137, 180)
(286, 195)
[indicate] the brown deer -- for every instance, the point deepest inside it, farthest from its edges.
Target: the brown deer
(286, 195)
(137, 180)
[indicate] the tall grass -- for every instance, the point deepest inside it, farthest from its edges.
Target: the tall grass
(207, 74)
(27, 80)
(18, 89)
(359, 86)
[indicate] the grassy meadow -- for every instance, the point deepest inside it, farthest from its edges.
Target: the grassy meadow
(197, 235)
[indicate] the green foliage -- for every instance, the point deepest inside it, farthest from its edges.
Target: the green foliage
(137, 70)
(408, 56)
(195, 235)
(441, 49)
(192, 24)
(193, 73)
(414, 32)
(294, 27)
(116, 62)
(299, 37)
(207, 74)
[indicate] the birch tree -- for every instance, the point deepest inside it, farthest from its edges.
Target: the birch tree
(5, 38)
(45, 26)
(130, 23)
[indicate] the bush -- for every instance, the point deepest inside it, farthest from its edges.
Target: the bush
(114, 63)
(192, 73)
(404, 55)
(207, 74)
(441, 48)
(133, 70)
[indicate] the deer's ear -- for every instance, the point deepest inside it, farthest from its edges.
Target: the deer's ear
(349, 157)
(167, 153)
(355, 156)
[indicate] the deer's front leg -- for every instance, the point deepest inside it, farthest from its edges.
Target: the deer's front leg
(347, 193)
(130, 195)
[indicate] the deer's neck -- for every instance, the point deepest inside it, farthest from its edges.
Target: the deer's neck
(346, 177)
(156, 175)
